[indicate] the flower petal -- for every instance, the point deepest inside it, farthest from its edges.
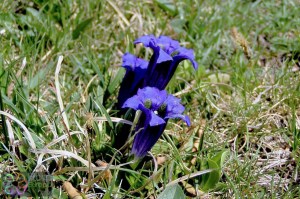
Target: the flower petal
(133, 102)
(159, 54)
(131, 62)
(145, 139)
(156, 120)
(184, 53)
(151, 118)
(151, 41)
(175, 109)
(173, 105)
(146, 40)
(179, 116)
(163, 57)
(156, 96)
(187, 120)
(168, 45)
(158, 68)
(134, 77)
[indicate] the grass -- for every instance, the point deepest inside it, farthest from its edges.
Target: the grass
(243, 100)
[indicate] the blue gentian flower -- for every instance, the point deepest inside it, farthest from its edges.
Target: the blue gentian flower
(157, 108)
(167, 54)
(135, 72)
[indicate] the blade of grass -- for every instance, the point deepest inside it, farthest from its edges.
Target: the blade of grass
(26, 131)
(59, 99)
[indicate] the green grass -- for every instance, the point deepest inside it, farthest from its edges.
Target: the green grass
(243, 100)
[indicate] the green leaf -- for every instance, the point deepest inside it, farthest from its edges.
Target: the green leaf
(57, 193)
(172, 191)
(220, 158)
(104, 112)
(81, 27)
(136, 180)
(208, 181)
(40, 76)
(100, 94)
(59, 178)
(113, 84)
(168, 6)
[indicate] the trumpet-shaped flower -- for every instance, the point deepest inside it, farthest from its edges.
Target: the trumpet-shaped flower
(167, 54)
(135, 72)
(157, 108)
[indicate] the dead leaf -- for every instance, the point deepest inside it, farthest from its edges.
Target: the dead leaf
(106, 174)
(71, 191)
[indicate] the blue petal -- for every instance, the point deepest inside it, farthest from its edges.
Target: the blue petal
(156, 120)
(151, 41)
(173, 105)
(133, 102)
(179, 116)
(156, 96)
(158, 68)
(145, 139)
(135, 72)
(147, 40)
(163, 57)
(137, 102)
(175, 109)
(187, 120)
(146, 117)
(159, 53)
(160, 62)
(184, 53)
(131, 62)
(169, 45)
(151, 118)
(128, 61)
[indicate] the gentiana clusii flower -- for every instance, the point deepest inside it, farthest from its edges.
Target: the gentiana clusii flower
(157, 107)
(135, 73)
(167, 54)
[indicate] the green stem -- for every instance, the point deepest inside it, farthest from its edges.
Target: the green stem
(3, 120)
(135, 163)
(135, 121)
